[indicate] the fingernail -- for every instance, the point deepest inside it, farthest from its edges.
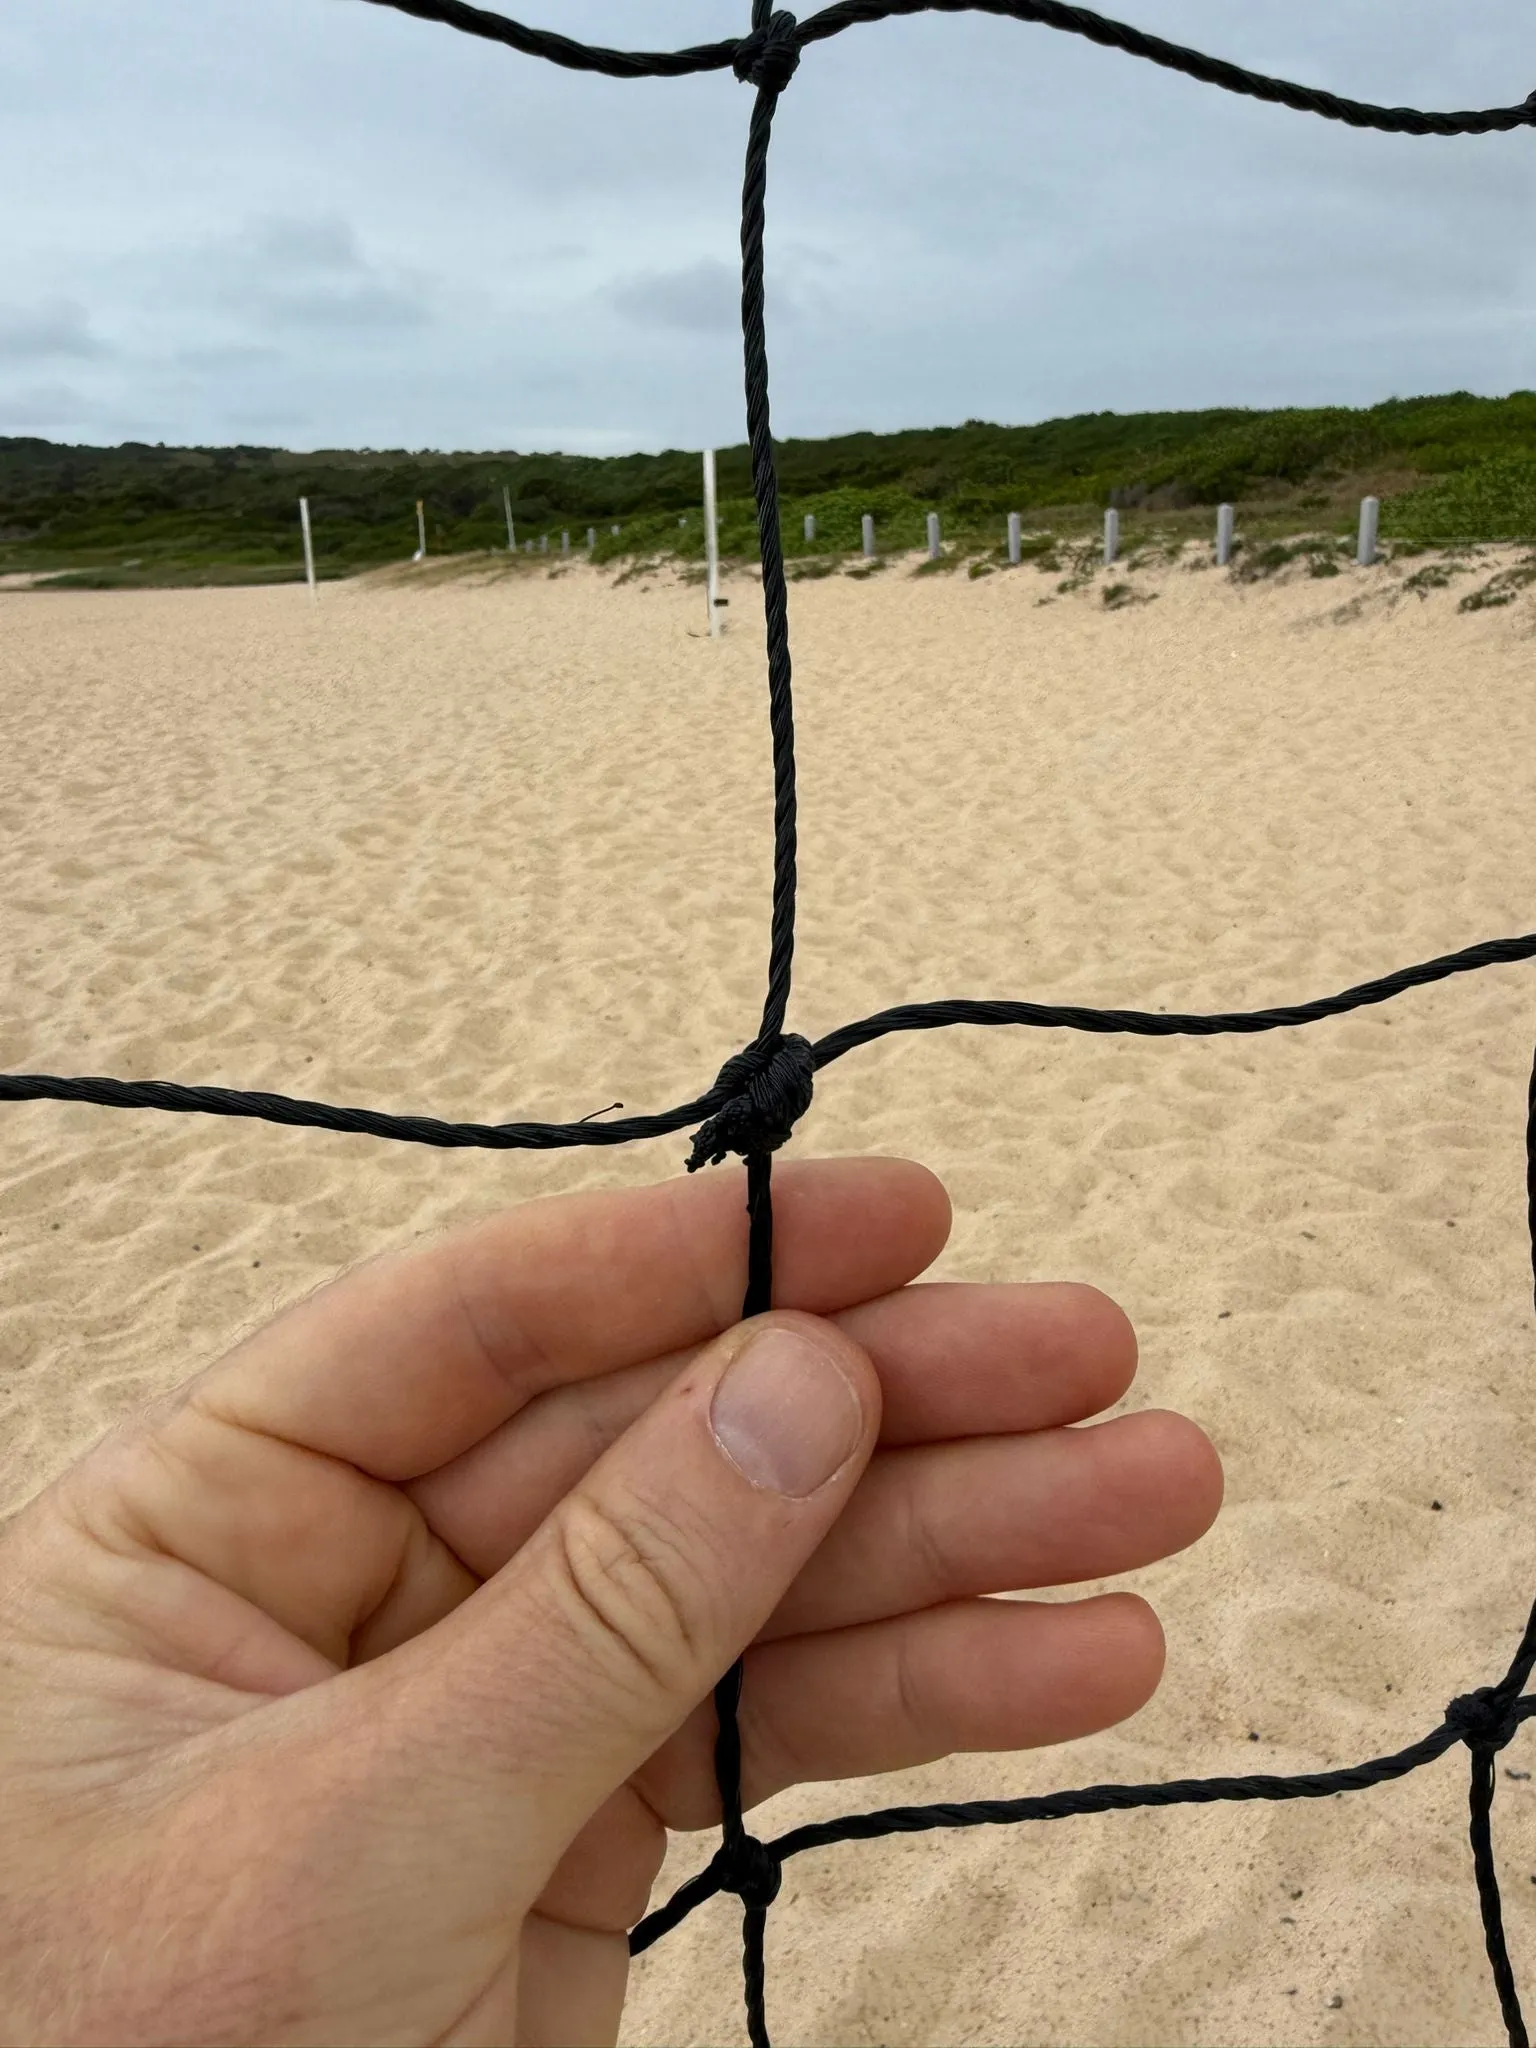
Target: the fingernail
(785, 1415)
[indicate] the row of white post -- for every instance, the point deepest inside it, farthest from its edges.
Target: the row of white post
(1226, 520)
(565, 538)
(1226, 523)
(421, 538)
(542, 543)
(1226, 531)
(1366, 536)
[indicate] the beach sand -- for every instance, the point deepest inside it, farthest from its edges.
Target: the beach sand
(493, 849)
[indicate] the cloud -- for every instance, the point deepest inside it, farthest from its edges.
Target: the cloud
(313, 273)
(57, 328)
(305, 273)
(438, 245)
(704, 298)
(221, 358)
(52, 409)
(323, 247)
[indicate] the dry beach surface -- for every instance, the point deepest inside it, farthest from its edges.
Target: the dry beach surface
(493, 848)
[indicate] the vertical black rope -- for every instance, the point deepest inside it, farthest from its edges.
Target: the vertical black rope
(765, 489)
(1486, 1720)
(1486, 1872)
(759, 1295)
(735, 1854)
(739, 1855)
(770, 72)
(1501, 1712)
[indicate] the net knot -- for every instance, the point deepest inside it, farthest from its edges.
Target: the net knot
(770, 56)
(770, 1085)
(750, 1869)
(1485, 1719)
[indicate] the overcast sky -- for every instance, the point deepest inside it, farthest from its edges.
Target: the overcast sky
(317, 223)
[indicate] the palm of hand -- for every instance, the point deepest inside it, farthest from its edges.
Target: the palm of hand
(307, 1731)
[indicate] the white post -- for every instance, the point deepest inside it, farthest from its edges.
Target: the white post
(309, 547)
(506, 499)
(711, 546)
(810, 525)
(1370, 515)
(543, 543)
(1111, 535)
(1014, 538)
(1225, 516)
(565, 543)
(933, 536)
(591, 538)
(615, 529)
(869, 537)
(421, 533)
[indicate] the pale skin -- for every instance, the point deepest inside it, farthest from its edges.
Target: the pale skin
(348, 1694)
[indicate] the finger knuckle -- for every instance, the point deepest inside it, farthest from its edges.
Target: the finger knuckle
(630, 1590)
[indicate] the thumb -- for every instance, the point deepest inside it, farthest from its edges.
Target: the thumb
(639, 1591)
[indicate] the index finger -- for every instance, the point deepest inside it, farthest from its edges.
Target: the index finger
(410, 1360)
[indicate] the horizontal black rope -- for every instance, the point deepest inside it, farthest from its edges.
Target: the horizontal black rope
(325, 1116)
(1055, 14)
(979, 1813)
(1136, 42)
(1172, 1024)
(527, 1136)
(558, 49)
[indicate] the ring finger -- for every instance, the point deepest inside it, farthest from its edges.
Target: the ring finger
(971, 1675)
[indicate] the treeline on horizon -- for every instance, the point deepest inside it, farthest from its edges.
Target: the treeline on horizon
(1449, 468)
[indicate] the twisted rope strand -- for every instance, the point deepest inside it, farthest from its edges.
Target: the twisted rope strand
(765, 489)
(558, 49)
(1054, 14)
(507, 1137)
(1136, 42)
(1090, 1799)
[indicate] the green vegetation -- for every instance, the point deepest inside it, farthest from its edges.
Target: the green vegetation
(1502, 588)
(1320, 552)
(1116, 596)
(1491, 499)
(1454, 468)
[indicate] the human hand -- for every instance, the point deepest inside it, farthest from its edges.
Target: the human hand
(346, 1695)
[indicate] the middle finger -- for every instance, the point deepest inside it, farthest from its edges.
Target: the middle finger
(1005, 1515)
(955, 1361)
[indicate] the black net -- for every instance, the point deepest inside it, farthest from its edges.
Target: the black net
(760, 1093)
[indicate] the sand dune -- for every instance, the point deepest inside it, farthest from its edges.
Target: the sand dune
(501, 851)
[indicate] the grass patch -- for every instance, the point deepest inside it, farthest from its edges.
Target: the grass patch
(646, 566)
(1038, 547)
(1502, 588)
(1433, 576)
(1318, 551)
